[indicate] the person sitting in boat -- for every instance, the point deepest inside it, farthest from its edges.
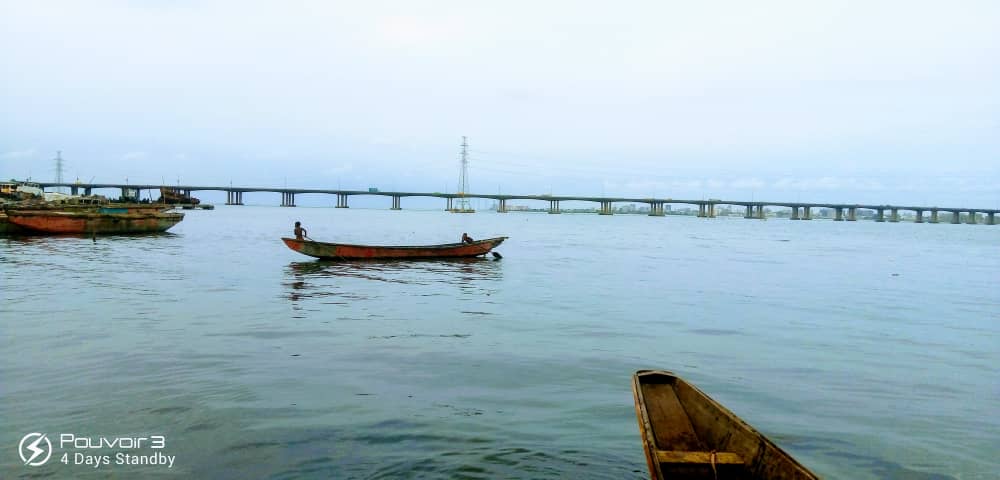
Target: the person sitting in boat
(300, 232)
(466, 238)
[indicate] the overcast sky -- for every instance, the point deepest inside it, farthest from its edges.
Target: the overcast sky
(867, 101)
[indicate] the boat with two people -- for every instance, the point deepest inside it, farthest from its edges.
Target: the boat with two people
(345, 251)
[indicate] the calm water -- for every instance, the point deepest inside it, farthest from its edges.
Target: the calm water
(866, 350)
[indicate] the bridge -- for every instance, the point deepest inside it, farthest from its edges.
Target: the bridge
(657, 206)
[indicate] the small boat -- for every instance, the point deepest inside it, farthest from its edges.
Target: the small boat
(343, 251)
(101, 220)
(687, 435)
(20, 191)
(176, 196)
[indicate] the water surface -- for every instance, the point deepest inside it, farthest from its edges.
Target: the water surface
(867, 350)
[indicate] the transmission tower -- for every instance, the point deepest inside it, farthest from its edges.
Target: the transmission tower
(463, 179)
(59, 169)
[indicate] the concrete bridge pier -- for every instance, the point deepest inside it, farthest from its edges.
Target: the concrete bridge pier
(341, 200)
(287, 199)
(955, 217)
(73, 190)
(989, 219)
(447, 207)
(749, 213)
(234, 198)
(87, 191)
(702, 210)
(655, 209)
(554, 207)
(502, 208)
(711, 210)
(795, 214)
(838, 215)
(396, 201)
(934, 216)
(807, 213)
(920, 217)
(760, 212)
(605, 209)
(852, 214)
(971, 219)
(893, 214)
(880, 217)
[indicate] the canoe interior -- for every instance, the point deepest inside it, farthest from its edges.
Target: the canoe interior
(687, 435)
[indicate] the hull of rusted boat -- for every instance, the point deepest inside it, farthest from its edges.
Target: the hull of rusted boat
(688, 435)
(341, 251)
(93, 222)
(7, 228)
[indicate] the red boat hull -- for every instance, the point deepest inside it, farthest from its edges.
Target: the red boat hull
(8, 228)
(62, 222)
(341, 251)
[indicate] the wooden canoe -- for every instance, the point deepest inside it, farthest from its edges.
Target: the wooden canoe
(343, 251)
(687, 435)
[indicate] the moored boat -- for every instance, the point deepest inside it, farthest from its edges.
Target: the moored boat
(343, 251)
(16, 190)
(101, 220)
(688, 435)
(177, 196)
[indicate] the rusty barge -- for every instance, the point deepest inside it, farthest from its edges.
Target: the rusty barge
(87, 215)
(99, 221)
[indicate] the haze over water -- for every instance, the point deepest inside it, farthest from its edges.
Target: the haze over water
(866, 350)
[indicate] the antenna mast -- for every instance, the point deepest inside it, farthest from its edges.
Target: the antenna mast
(463, 179)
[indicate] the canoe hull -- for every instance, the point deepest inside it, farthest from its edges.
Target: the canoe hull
(93, 222)
(341, 251)
(688, 435)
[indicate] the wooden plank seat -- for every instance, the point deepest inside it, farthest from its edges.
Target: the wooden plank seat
(721, 458)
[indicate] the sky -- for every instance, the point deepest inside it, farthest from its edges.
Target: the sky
(854, 102)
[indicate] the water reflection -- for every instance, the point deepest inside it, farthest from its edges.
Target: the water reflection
(404, 271)
(323, 278)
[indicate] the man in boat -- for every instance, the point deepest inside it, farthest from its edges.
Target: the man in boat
(300, 232)
(466, 238)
